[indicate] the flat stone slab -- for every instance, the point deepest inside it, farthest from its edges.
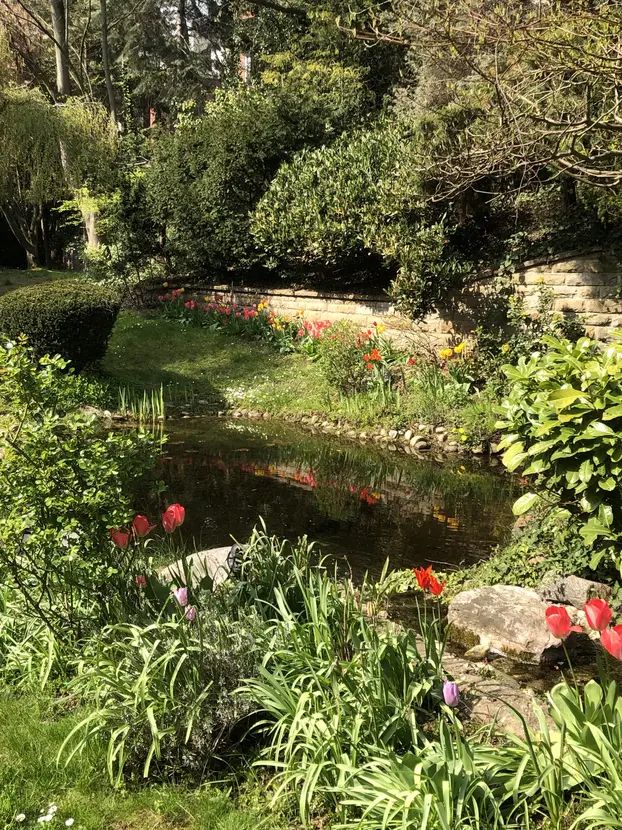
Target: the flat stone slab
(214, 562)
(505, 618)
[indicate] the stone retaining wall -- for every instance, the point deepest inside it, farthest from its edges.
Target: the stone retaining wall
(586, 286)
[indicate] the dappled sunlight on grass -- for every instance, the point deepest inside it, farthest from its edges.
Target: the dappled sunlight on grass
(147, 351)
(31, 782)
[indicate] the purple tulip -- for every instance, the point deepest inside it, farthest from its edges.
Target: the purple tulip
(451, 693)
(191, 613)
(181, 595)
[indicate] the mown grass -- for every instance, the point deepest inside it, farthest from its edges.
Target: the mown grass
(11, 278)
(205, 370)
(194, 365)
(31, 779)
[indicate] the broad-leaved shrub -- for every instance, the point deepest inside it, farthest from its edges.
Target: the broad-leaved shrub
(563, 431)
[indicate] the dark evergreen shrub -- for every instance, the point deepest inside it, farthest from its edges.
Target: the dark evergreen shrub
(73, 319)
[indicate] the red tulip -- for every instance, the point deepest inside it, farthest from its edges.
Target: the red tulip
(120, 537)
(423, 576)
(435, 587)
(611, 638)
(598, 614)
(558, 621)
(173, 517)
(140, 581)
(141, 526)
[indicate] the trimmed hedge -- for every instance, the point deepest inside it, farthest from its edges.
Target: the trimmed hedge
(73, 319)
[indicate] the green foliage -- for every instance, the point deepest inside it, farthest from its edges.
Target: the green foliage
(435, 394)
(129, 247)
(336, 688)
(355, 361)
(579, 759)
(69, 318)
(328, 205)
(63, 485)
(341, 358)
(517, 333)
(47, 150)
(162, 690)
(548, 545)
(430, 269)
(345, 203)
(207, 176)
(449, 782)
(560, 421)
(162, 693)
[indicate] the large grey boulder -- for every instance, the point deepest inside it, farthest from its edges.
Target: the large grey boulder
(216, 563)
(573, 590)
(505, 619)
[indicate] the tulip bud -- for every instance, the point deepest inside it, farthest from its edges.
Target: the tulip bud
(451, 693)
(181, 595)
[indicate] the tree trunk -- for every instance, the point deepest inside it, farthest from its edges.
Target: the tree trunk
(112, 104)
(59, 25)
(183, 22)
(89, 217)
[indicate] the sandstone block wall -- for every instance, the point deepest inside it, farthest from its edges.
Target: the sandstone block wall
(585, 286)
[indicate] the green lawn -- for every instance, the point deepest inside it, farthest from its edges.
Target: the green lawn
(11, 278)
(196, 365)
(31, 780)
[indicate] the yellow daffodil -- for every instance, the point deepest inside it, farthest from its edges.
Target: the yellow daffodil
(505, 348)
(445, 353)
(460, 348)
(380, 327)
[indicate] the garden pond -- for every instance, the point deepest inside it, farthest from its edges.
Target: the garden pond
(361, 504)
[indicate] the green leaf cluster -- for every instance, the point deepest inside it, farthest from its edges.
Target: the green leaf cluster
(563, 429)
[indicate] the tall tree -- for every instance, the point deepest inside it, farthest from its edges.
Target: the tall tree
(60, 29)
(106, 64)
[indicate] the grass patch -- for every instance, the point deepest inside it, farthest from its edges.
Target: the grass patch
(30, 780)
(195, 365)
(11, 278)
(205, 370)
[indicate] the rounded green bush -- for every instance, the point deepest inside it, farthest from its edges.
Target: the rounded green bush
(73, 319)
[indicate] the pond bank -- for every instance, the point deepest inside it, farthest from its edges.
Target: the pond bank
(206, 372)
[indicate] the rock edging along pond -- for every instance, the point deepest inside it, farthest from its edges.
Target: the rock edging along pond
(418, 439)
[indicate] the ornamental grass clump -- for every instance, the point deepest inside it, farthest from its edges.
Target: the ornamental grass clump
(336, 689)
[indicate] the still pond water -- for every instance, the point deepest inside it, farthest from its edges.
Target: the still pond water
(360, 503)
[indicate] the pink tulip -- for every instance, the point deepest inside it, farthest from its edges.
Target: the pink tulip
(598, 614)
(611, 638)
(173, 517)
(191, 613)
(181, 595)
(451, 693)
(558, 621)
(141, 526)
(120, 537)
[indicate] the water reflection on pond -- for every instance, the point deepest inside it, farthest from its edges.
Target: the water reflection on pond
(357, 502)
